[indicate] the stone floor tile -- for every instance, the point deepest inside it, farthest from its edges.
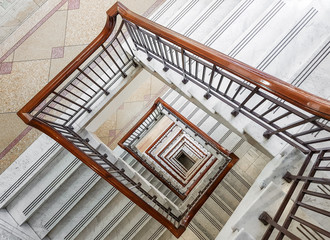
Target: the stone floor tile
(26, 79)
(11, 126)
(58, 64)
(40, 44)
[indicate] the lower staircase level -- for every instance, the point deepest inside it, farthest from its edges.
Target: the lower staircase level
(66, 200)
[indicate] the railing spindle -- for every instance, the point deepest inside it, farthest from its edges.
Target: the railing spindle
(207, 94)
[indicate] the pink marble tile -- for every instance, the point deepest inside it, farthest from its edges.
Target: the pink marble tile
(73, 4)
(57, 52)
(15, 141)
(5, 68)
(147, 97)
(112, 133)
(26, 36)
(121, 107)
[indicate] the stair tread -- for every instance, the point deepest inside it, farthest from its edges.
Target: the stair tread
(204, 23)
(85, 211)
(69, 194)
(165, 11)
(43, 186)
(183, 16)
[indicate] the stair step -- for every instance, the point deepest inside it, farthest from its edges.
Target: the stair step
(235, 23)
(298, 42)
(64, 199)
(137, 228)
(170, 96)
(166, 235)
(197, 117)
(183, 16)
(114, 226)
(43, 186)
(193, 232)
(315, 68)
(151, 230)
(21, 172)
(165, 12)
(204, 22)
(87, 210)
(228, 195)
(216, 205)
(10, 230)
(270, 28)
(238, 183)
(204, 222)
(181, 101)
(231, 141)
(208, 124)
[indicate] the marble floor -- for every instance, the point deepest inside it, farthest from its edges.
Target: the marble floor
(44, 40)
(14, 12)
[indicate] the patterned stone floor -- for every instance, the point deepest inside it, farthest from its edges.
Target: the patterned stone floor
(45, 40)
(14, 12)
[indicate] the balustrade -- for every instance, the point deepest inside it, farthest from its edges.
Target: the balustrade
(298, 117)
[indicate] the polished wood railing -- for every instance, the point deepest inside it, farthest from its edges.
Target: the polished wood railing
(296, 116)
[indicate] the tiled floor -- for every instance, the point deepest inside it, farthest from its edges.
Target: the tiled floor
(14, 12)
(45, 41)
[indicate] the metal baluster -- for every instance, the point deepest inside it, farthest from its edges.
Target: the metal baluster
(119, 56)
(269, 133)
(86, 85)
(75, 95)
(58, 110)
(185, 80)
(165, 68)
(121, 47)
(189, 65)
(132, 58)
(154, 45)
(82, 72)
(125, 39)
(69, 100)
(203, 74)
(74, 110)
(107, 65)
(54, 116)
(258, 105)
(207, 94)
(134, 38)
(82, 91)
(307, 132)
(236, 110)
(97, 74)
(171, 54)
(149, 58)
(113, 60)
(228, 87)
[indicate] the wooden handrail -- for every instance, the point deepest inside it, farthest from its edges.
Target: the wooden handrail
(106, 175)
(71, 67)
(303, 99)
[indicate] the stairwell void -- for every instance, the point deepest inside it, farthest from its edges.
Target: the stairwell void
(208, 160)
